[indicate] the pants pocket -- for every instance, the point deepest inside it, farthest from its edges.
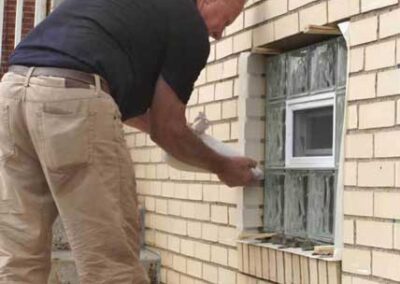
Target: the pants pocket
(7, 147)
(66, 140)
(9, 201)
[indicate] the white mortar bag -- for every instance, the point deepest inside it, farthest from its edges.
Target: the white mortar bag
(199, 126)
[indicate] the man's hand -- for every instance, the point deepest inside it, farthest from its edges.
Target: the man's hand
(236, 171)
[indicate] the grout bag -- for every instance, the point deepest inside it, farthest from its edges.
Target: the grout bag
(199, 126)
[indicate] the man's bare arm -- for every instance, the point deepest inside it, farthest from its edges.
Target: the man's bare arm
(170, 131)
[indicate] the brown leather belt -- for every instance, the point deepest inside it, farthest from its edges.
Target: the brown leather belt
(73, 78)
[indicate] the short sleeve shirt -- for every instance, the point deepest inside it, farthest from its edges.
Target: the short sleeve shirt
(128, 42)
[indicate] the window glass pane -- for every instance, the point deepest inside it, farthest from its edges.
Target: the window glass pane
(321, 204)
(323, 66)
(313, 132)
(274, 201)
(275, 134)
(296, 192)
(276, 77)
(298, 72)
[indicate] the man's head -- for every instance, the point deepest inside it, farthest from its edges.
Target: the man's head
(218, 14)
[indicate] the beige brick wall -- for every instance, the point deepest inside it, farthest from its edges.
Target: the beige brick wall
(372, 197)
(192, 219)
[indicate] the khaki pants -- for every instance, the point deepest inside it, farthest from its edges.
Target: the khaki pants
(62, 151)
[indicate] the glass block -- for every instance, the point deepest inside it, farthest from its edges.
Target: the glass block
(296, 203)
(274, 201)
(321, 206)
(341, 64)
(323, 66)
(298, 74)
(340, 105)
(276, 77)
(275, 134)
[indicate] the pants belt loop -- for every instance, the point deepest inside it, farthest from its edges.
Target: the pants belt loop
(97, 83)
(28, 76)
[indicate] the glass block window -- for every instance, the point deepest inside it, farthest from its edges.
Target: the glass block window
(305, 108)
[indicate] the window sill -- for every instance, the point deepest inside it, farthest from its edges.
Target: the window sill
(289, 265)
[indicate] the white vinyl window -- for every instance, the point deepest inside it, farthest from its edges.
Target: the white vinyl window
(310, 136)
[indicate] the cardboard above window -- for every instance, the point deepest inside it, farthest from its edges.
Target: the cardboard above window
(310, 35)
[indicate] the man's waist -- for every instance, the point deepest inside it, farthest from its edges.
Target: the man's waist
(73, 78)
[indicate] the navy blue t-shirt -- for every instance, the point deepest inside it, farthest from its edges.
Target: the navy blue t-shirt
(128, 42)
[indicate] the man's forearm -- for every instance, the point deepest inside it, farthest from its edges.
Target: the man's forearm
(168, 128)
(185, 146)
(141, 123)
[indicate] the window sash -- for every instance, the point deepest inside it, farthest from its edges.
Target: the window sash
(313, 102)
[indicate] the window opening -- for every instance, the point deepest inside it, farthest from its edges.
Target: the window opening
(305, 108)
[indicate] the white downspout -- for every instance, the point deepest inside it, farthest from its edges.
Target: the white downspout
(40, 11)
(1, 27)
(18, 21)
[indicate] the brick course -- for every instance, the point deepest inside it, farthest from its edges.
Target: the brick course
(373, 112)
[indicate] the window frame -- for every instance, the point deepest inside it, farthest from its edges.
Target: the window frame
(320, 228)
(305, 103)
